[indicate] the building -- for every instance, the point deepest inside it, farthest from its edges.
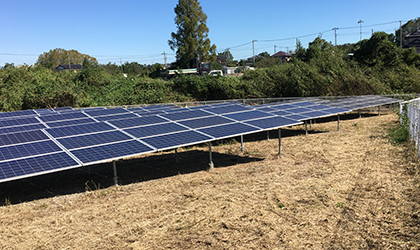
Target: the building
(413, 40)
(283, 55)
(74, 67)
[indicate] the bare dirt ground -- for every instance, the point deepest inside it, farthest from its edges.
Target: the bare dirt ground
(350, 189)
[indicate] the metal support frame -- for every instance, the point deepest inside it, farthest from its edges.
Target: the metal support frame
(211, 158)
(268, 135)
(418, 146)
(176, 156)
(310, 124)
(279, 142)
(360, 114)
(379, 110)
(338, 122)
(242, 143)
(306, 128)
(114, 165)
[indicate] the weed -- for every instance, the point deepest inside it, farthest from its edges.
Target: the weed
(280, 205)
(340, 204)
(7, 202)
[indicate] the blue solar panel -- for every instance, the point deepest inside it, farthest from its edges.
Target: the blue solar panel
(175, 140)
(298, 117)
(174, 110)
(248, 115)
(62, 117)
(116, 117)
(273, 122)
(17, 113)
(111, 151)
(319, 107)
(28, 149)
(63, 109)
(44, 111)
(37, 165)
(79, 129)
(304, 104)
(281, 113)
(206, 122)
(70, 122)
(229, 130)
(315, 114)
(139, 121)
(225, 109)
(265, 109)
(30, 127)
(149, 113)
(18, 121)
(284, 106)
(157, 129)
(336, 110)
(186, 115)
(102, 112)
(298, 110)
(93, 139)
(22, 137)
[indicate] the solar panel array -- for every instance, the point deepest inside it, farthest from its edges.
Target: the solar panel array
(34, 142)
(42, 141)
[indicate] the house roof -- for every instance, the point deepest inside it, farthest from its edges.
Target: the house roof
(413, 34)
(281, 54)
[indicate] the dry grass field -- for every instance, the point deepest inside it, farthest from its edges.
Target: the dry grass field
(350, 189)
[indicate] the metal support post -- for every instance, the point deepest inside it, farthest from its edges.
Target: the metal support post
(211, 158)
(89, 171)
(114, 165)
(379, 110)
(360, 114)
(418, 146)
(338, 122)
(310, 124)
(279, 142)
(268, 135)
(176, 156)
(242, 143)
(306, 128)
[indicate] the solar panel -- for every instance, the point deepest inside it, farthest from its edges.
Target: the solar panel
(62, 117)
(18, 121)
(63, 109)
(336, 110)
(110, 152)
(70, 122)
(205, 122)
(152, 130)
(28, 149)
(297, 117)
(116, 117)
(273, 122)
(298, 110)
(17, 113)
(186, 115)
(175, 140)
(315, 114)
(281, 113)
(248, 115)
(82, 141)
(44, 111)
(15, 129)
(15, 169)
(139, 121)
(22, 137)
(79, 129)
(229, 130)
(225, 109)
(103, 112)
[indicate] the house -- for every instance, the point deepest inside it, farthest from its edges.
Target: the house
(413, 40)
(74, 67)
(283, 55)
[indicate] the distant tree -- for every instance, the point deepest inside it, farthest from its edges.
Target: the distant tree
(58, 56)
(227, 55)
(407, 28)
(191, 40)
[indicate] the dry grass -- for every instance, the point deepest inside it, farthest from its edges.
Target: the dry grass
(348, 190)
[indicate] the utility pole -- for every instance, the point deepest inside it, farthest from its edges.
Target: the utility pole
(164, 58)
(400, 35)
(275, 46)
(360, 22)
(335, 34)
(253, 51)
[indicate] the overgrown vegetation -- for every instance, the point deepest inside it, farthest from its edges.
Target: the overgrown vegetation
(377, 67)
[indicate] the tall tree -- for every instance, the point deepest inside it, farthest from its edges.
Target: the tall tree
(58, 56)
(191, 40)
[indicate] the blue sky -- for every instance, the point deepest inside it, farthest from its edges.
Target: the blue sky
(130, 30)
